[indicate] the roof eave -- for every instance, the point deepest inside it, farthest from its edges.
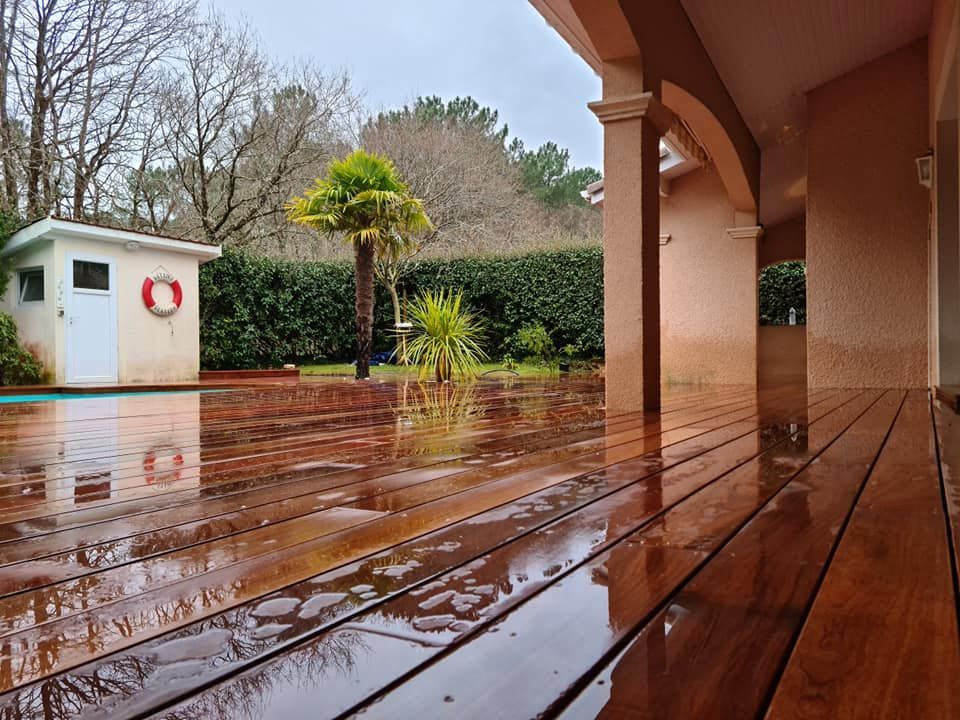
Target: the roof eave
(49, 228)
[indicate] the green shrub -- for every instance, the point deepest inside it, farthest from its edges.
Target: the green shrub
(17, 365)
(9, 222)
(533, 342)
(258, 312)
(447, 336)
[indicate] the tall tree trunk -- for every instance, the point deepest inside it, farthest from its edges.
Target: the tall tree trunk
(40, 105)
(364, 305)
(7, 28)
(80, 184)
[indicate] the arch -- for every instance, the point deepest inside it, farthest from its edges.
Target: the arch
(716, 141)
(782, 286)
(783, 241)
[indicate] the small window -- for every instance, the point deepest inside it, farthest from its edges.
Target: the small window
(31, 285)
(89, 275)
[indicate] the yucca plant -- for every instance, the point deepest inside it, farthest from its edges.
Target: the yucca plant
(447, 337)
(363, 198)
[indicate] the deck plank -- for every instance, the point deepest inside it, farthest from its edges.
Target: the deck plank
(191, 589)
(504, 551)
(552, 556)
(573, 493)
(732, 625)
(62, 613)
(881, 640)
(141, 497)
(560, 635)
(372, 490)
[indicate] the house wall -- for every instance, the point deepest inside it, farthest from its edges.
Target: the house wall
(781, 355)
(784, 241)
(945, 236)
(150, 348)
(35, 321)
(708, 287)
(867, 224)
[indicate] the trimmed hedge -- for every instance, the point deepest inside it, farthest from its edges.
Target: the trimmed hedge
(260, 312)
(783, 286)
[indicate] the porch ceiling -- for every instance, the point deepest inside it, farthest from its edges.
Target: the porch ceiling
(769, 53)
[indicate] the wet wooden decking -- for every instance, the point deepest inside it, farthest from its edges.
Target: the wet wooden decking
(498, 551)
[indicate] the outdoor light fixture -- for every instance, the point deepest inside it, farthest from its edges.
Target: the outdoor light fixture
(132, 245)
(925, 169)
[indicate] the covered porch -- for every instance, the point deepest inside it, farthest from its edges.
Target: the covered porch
(808, 125)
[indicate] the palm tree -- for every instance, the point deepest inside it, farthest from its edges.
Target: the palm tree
(363, 198)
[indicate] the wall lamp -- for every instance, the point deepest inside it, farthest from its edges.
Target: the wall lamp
(925, 169)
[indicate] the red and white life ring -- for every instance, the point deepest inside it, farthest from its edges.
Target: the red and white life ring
(157, 276)
(172, 459)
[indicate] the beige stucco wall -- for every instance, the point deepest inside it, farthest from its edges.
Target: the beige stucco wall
(782, 355)
(867, 220)
(150, 348)
(942, 52)
(708, 287)
(35, 320)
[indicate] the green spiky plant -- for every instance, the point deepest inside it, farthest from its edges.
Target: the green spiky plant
(363, 199)
(447, 337)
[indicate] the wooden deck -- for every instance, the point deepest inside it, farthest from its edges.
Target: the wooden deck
(503, 551)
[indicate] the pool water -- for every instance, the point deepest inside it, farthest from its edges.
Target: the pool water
(6, 399)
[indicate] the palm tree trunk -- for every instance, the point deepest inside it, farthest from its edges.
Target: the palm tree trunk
(364, 306)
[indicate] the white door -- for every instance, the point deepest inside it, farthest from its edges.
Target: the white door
(91, 314)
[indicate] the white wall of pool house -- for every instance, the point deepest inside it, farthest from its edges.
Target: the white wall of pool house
(147, 348)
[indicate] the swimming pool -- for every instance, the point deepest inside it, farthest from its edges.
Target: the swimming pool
(7, 399)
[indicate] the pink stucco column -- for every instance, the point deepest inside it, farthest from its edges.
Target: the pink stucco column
(632, 126)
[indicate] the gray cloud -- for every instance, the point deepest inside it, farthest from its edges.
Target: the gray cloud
(499, 51)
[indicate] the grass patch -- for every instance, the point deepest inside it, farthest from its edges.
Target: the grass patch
(396, 371)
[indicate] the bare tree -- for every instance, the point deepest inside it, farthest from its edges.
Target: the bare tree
(139, 113)
(151, 197)
(74, 75)
(119, 81)
(241, 132)
(462, 173)
(9, 10)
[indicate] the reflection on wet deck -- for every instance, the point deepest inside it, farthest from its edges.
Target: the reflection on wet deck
(498, 550)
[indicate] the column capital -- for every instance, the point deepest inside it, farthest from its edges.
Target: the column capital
(630, 107)
(747, 232)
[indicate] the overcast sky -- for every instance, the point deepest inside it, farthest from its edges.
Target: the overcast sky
(499, 51)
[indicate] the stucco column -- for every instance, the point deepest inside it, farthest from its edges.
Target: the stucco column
(947, 254)
(632, 126)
